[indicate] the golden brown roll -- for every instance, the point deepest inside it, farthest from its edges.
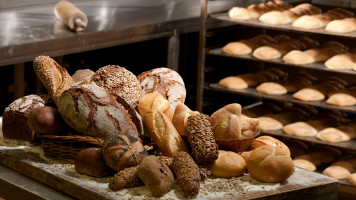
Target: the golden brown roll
(268, 140)
(304, 164)
(155, 102)
(341, 26)
(180, 119)
(228, 164)
(337, 172)
(270, 164)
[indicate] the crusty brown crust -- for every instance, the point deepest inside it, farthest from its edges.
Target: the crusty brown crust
(187, 174)
(127, 178)
(54, 78)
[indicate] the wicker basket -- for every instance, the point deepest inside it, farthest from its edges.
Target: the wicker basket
(67, 147)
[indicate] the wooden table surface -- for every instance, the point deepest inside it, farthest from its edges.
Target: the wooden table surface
(302, 184)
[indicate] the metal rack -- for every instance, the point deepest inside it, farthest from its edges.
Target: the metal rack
(203, 85)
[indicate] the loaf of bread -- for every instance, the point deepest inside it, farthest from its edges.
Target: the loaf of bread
(53, 77)
(82, 75)
(337, 134)
(119, 82)
(337, 172)
(345, 97)
(342, 25)
(270, 164)
(15, 116)
(288, 16)
(90, 162)
(163, 133)
(156, 175)
(268, 140)
(166, 82)
(321, 20)
(180, 119)
(46, 120)
(246, 46)
(187, 174)
(255, 10)
(321, 90)
(326, 51)
(201, 139)
(92, 110)
(155, 102)
(228, 164)
(122, 151)
(274, 51)
(126, 178)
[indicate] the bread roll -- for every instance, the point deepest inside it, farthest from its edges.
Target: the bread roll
(162, 132)
(239, 13)
(270, 164)
(82, 75)
(268, 140)
(120, 82)
(228, 164)
(341, 61)
(304, 164)
(246, 46)
(352, 178)
(53, 77)
(345, 164)
(46, 120)
(155, 102)
(126, 178)
(337, 134)
(187, 174)
(337, 172)
(256, 10)
(347, 98)
(342, 26)
(156, 175)
(122, 151)
(90, 162)
(226, 122)
(180, 119)
(166, 82)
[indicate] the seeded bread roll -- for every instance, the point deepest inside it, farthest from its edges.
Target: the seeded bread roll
(122, 151)
(53, 77)
(156, 175)
(201, 139)
(90, 162)
(187, 174)
(82, 75)
(126, 178)
(93, 111)
(166, 82)
(120, 82)
(15, 116)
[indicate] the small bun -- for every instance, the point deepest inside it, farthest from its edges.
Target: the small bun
(268, 140)
(337, 172)
(90, 162)
(228, 164)
(270, 164)
(304, 164)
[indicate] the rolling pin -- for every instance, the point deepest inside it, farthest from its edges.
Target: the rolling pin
(74, 18)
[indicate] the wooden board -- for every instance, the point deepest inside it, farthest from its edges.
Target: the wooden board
(63, 177)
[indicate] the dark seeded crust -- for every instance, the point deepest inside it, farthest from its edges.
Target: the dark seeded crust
(187, 174)
(122, 151)
(127, 178)
(93, 111)
(120, 82)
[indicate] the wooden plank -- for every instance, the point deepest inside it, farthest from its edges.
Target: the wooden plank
(302, 183)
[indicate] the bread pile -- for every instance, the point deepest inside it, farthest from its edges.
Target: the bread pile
(150, 137)
(303, 16)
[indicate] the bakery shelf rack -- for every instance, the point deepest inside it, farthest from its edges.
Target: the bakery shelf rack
(203, 85)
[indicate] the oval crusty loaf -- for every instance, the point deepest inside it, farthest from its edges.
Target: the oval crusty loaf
(54, 78)
(14, 123)
(120, 82)
(122, 151)
(166, 82)
(93, 111)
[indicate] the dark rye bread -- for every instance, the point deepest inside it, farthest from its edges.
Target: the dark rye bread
(93, 111)
(166, 82)
(123, 151)
(120, 82)
(15, 118)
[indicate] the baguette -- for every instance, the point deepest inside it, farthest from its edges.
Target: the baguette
(163, 133)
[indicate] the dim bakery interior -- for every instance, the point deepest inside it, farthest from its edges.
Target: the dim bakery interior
(177, 99)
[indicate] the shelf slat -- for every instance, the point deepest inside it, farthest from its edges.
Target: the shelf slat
(317, 66)
(285, 27)
(285, 97)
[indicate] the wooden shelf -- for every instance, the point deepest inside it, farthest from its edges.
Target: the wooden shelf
(285, 97)
(317, 66)
(347, 145)
(285, 27)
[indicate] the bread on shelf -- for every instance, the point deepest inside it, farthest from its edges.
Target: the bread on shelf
(344, 97)
(342, 25)
(246, 46)
(337, 134)
(345, 60)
